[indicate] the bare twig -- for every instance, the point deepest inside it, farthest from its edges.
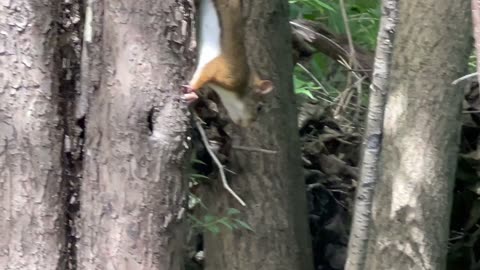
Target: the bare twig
(356, 116)
(221, 169)
(343, 101)
(313, 78)
(230, 171)
(358, 86)
(318, 34)
(310, 37)
(351, 58)
(466, 77)
(253, 149)
(320, 185)
(348, 33)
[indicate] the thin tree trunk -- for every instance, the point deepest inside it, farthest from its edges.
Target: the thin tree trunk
(475, 5)
(133, 191)
(272, 185)
(412, 201)
(31, 216)
(358, 241)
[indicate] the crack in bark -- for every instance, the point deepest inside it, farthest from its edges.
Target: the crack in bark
(67, 55)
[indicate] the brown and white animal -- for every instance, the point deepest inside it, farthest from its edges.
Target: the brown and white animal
(222, 62)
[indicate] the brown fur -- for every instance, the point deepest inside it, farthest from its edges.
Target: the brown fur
(230, 70)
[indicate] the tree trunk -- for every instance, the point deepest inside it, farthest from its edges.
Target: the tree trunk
(413, 198)
(272, 185)
(475, 5)
(31, 216)
(372, 142)
(133, 191)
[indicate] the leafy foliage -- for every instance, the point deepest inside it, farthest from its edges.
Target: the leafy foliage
(213, 223)
(363, 16)
(325, 82)
(331, 145)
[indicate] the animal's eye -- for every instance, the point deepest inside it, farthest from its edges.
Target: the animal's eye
(259, 107)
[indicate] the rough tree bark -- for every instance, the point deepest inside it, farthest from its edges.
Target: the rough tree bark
(412, 201)
(133, 191)
(272, 185)
(372, 142)
(31, 215)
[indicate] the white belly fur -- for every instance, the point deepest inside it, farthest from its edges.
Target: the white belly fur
(209, 43)
(234, 106)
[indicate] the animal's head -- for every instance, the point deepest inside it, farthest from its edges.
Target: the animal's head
(243, 108)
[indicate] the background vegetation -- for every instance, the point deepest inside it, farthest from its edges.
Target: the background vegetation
(333, 99)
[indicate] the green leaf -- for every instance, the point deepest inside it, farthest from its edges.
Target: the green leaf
(305, 92)
(208, 218)
(243, 224)
(298, 83)
(324, 5)
(225, 222)
(213, 228)
(232, 211)
(194, 160)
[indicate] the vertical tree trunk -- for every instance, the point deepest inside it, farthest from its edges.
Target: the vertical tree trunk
(31, 218)
(421, 132)
(272, 185)
(372, 142)
(475, 5)
(133, 191)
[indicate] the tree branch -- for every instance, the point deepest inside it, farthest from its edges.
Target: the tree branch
(310, 37)
(214, 157)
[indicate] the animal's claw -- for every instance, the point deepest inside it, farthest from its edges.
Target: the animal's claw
(187, 88)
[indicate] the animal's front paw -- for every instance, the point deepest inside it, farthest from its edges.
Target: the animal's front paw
(189, 94)
(187, 88)
(190, 97)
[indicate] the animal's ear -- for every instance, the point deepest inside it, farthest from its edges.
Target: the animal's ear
(264, 87)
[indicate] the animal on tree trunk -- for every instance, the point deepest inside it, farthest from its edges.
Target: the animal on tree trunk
(222, 62)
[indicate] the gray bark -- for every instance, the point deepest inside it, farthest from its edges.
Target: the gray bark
(272, 185)
(412, 201)
(475, 5)
(133, 189)
(358, 241)
(31, 213)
